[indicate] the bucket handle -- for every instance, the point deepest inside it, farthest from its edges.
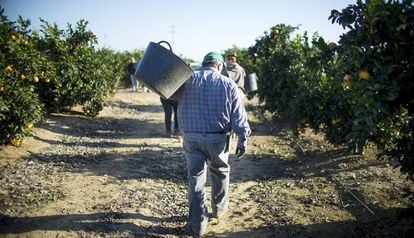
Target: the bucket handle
(163, 41)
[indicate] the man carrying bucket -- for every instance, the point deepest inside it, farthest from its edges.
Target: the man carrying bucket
(235, 71)
(210, 107)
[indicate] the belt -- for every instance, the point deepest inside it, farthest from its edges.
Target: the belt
(206, 132)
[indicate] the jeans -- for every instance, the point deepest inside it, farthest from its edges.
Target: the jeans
(134, 83)
(170, 106)
(204, 151)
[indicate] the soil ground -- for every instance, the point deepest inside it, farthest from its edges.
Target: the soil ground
(119, 175)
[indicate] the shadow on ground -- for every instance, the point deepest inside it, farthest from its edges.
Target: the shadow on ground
(149, 161)
(120, 224)
(106, 223)
(104, 128)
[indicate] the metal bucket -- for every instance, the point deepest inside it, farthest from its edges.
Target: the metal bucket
(161, 70)
(250, 83)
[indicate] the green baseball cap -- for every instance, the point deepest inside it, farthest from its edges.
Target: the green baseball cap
(213, 56)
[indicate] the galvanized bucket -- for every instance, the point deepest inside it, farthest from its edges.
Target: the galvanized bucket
(161, 70)
(250, 83)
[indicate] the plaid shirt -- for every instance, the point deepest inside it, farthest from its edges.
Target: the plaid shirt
(211, 102)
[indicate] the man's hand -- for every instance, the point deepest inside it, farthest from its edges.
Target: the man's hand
(240, 152)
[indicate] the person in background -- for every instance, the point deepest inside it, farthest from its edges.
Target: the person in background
(131, 69)
(170, 106)
(235, 71)
(210, 107)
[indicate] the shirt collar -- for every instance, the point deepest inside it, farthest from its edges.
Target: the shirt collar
(210, 68)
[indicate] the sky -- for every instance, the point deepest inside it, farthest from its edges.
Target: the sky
(193, 28)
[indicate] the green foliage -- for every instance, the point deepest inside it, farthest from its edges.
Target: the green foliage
(78, 72)
(20, 65)
(51, 70)
(297, 80)
(380, 42)
(356, 92)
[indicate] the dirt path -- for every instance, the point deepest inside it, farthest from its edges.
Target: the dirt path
(117, 175)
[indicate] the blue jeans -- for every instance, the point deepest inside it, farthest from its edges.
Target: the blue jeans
(134, 83)
(204, 151)
(170, 106)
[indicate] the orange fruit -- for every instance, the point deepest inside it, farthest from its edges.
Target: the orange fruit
(363, 74)
(1, 89)
(13, 37)
(335, 121)
(16, 141)
(30, 125)
(9, 68)
(47, 80)
(36, 79)
(22, 77)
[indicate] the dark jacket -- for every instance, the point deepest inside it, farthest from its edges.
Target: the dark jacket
(132, 67)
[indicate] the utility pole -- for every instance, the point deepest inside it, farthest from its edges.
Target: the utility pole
(172, 35)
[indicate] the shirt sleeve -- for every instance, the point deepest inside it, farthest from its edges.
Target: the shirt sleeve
(239, 121)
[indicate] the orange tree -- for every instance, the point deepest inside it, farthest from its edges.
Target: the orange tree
(356, 92)
(376, 55)
(20, 71)
(275, 54)
(297, 80)
(112, 67)
(51, 70)
(79, 75)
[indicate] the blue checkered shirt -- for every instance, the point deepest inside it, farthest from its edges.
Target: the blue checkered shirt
(212, 102)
